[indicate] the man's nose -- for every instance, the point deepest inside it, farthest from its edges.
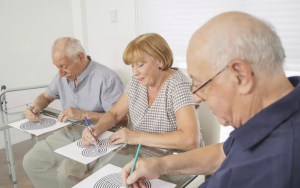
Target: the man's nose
(61, 73)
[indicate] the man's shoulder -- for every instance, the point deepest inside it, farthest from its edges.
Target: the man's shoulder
(294, 122)
(290, 127)
(98, 67)
(103, 72)
(59, 80)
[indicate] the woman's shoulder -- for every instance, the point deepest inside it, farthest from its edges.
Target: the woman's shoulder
(178, 83)
(133, 86)
(133, 80)
(179, 77)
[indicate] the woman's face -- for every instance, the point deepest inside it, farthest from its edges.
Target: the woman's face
(147, 73)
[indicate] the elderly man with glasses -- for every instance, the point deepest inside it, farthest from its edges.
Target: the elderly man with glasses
(236, 63)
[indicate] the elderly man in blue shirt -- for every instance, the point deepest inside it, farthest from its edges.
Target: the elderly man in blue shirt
(85, 88)
(236, 63)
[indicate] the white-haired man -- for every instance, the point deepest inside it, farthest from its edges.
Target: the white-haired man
(85, 88)
(236, 63)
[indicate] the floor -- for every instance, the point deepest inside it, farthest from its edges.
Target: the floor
(19, 150)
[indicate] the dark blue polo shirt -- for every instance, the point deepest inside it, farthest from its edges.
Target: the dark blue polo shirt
(265, 151)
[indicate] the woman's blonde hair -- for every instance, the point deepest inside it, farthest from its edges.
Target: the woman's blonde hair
(152, 44)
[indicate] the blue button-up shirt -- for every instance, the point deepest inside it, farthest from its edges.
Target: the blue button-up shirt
(265, 151)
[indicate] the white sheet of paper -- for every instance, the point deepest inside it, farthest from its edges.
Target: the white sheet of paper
(48, 124)
(111, 176)
(86, 154)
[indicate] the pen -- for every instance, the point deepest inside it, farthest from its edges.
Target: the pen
(88, 125)
(37, 117)
(135, 159)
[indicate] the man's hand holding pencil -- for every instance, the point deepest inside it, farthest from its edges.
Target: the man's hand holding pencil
(144, 169)
(32, 113)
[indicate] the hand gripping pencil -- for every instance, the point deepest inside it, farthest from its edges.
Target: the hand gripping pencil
(88, 125)
(135, 159)
(37, 117)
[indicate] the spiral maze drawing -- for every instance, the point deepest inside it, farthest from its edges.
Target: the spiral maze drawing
(91, 150)
(105, 143)
(114, 181)
(46, 122)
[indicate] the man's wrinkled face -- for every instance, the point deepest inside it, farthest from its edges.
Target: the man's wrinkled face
(216, 94)
(66, 66)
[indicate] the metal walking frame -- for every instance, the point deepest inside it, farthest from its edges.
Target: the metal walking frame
(6, 133)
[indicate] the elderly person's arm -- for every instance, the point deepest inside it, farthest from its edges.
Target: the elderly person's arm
(111, 91)
(185, 137)
(73, 113)
(204, 161)
(41, 102)
(116, 115)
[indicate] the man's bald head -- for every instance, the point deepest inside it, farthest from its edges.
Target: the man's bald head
(238, 36)
(235, 61)
(67, 46)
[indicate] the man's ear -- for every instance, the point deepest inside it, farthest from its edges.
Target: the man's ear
(81, 57)
(243, 76)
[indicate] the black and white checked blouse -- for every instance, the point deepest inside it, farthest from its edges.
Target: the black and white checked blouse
(160, 117)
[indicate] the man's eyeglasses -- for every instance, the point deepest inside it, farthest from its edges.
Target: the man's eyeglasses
(194, 88)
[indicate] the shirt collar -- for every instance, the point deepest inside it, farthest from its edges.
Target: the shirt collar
(268, 119)
(86, 71)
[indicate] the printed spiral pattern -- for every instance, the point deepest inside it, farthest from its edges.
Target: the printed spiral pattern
(105, 143)
(114, 181)
(91, 150)
(46, 122)
(80, 144)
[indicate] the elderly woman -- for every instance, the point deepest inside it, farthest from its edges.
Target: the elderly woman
(158, 100)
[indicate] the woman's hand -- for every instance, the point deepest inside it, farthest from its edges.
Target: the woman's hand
(87, 137)
(126, 136)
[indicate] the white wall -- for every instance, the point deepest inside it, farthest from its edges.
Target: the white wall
(28, 29)
(107, 40)
(79, 22)
(31, 26)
